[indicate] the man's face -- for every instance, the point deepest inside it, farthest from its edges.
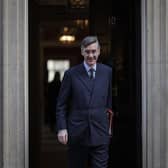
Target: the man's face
(91, 54)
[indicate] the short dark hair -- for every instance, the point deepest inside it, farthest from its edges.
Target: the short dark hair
(89, 40)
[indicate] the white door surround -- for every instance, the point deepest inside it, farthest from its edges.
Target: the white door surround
(14, 83)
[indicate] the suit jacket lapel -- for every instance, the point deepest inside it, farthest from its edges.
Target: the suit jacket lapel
(83, 76)
(96, 80)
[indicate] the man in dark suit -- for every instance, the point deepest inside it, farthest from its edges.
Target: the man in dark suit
(84, 97)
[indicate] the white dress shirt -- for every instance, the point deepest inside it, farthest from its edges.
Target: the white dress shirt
(88, 69)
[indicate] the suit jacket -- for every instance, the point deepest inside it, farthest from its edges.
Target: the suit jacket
(82, 105)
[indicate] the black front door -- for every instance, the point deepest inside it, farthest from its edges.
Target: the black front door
(117, 25)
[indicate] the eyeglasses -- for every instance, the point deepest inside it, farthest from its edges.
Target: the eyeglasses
(90, 51)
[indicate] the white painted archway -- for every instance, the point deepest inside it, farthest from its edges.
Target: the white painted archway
(14, 83)
(155, 83)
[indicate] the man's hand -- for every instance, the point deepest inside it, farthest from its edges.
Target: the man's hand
(63, 136)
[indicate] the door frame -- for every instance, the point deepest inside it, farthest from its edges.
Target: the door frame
(143, 82)
(1, 98)
(25, 101)
(14, 112)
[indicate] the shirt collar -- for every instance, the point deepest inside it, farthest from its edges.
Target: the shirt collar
(87, 67)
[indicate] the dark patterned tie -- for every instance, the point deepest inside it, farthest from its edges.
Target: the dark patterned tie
(91, 73)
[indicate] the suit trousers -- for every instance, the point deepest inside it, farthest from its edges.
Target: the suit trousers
(79, 155)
